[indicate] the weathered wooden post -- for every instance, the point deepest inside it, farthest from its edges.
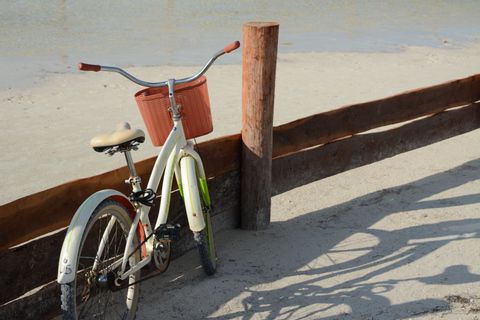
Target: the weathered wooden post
(260, 43)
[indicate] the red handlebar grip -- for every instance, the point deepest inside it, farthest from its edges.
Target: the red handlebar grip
(89, 67)
(232, 47)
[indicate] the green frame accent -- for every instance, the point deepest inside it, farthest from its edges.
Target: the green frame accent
(203, 185)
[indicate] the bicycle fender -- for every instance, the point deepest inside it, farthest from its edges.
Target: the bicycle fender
(73, 238)
(191, 194)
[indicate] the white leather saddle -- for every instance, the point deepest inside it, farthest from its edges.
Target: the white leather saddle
(122, 134)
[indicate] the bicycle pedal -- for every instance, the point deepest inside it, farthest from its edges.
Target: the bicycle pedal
(168, 232)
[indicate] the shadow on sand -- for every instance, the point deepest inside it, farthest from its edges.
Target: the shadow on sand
(340, 262)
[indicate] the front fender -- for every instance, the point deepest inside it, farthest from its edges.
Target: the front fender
(191, 194)
(71, 244)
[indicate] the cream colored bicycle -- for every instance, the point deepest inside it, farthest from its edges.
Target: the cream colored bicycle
(110, 238)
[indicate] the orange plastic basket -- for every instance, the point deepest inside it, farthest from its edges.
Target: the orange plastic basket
(195, 111)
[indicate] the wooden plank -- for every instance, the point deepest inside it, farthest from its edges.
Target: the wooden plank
(298, 169)
(221, 155)
(30, 265)
(339, 123)
(260, 42)
(41, 305)
(53, 209)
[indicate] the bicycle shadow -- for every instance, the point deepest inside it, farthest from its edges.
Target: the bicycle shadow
(347, 264)
(357, 292)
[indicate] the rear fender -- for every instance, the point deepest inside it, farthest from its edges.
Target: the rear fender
(71, 245)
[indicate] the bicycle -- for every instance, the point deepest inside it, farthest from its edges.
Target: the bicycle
(110, 238)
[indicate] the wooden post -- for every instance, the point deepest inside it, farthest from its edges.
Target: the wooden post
(260, 42)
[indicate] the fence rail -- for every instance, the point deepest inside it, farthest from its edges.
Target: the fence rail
(304, 151)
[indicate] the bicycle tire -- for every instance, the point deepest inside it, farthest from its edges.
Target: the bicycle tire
(204, 238)
(84, 298)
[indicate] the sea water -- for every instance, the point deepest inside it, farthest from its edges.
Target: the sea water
(54, 35)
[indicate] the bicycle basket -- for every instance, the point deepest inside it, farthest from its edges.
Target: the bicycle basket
(195, 111)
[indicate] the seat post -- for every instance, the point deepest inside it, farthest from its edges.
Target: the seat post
(134, 178)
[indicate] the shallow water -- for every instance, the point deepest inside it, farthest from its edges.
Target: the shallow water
(55, 35)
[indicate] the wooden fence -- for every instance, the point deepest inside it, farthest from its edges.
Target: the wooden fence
(304, 151)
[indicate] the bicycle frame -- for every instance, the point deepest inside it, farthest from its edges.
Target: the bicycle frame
(167, 165)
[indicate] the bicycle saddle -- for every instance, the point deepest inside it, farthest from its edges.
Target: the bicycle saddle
(121, 134)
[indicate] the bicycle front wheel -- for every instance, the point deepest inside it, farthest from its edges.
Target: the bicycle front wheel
(195, 199)
(96, 292)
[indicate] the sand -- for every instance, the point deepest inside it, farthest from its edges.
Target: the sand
(397, 239)
(46, 129)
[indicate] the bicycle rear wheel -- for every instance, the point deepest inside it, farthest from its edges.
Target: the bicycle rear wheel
(195, 198)
(94, 293)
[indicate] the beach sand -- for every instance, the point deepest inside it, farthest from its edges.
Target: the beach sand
(391, 240)
(46, 128)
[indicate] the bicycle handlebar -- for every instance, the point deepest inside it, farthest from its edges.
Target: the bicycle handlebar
(231, 47)
(93, 67)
